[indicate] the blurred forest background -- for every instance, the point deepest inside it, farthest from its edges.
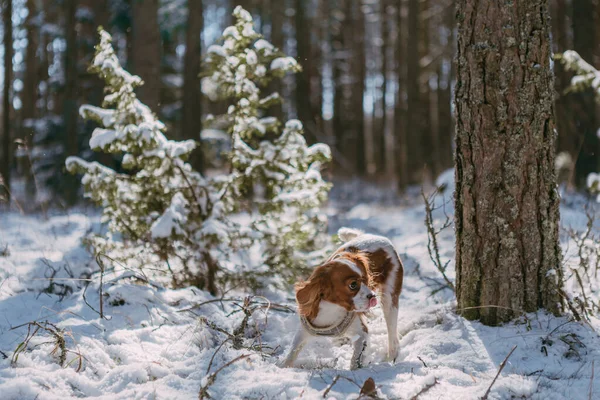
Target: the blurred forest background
(377, 82)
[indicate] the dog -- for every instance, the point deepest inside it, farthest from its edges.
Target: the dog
(333, 300)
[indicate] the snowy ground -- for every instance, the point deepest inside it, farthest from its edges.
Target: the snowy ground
(150, 345)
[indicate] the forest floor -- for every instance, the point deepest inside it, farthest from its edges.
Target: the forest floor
(153, 343)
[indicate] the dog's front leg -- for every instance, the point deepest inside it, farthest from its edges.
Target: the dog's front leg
(297, 344)
(360, 344)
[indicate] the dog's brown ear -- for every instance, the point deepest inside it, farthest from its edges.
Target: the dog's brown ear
(309, 293)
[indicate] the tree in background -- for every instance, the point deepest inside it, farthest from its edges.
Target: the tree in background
(192, 106)
(583, 107)
(70, 101)
(145, 49)
(5, 164)
(507, 216)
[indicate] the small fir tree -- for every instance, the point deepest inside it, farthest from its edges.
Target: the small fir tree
(159, 202)
(273, 167)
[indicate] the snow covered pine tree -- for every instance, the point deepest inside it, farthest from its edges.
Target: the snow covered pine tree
(282, 175)
(160, 204)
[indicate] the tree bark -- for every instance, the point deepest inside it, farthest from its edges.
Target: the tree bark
(192, 112)
(145, 50)
(5, 164)
(507, 217)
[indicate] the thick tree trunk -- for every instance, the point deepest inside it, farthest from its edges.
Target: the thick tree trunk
(145, 50)
(192, 112)
(5, 163)
(507, 218)
(583, 104)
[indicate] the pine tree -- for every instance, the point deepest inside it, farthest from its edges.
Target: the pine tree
(283, 173)
(159, 202)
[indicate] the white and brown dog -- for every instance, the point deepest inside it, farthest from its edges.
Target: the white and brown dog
(337, 294)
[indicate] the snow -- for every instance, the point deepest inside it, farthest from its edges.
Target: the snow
(102, 138)
(265, 46)
(283, 63)
(218, 50)
(149, 346)
(170, 221)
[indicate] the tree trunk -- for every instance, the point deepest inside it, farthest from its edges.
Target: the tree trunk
(507, 217)
(145, 50)
(70, 103)
(339, 22)
(5, 164)
(400, 125)
(277, 8)
(380, 145)
(30, 84)
(303, 94)
(414, 132)
(427, 166)
(446, 122)
(192, 112)
(359, 74)
(583, 104)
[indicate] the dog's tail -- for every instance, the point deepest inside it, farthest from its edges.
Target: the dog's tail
(347, 234)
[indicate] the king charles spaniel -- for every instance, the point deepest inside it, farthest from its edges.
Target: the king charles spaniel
(333, 300)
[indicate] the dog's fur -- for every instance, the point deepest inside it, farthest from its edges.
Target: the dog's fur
(345, 283)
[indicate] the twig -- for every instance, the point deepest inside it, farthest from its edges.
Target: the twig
(591, 382)
(331, 385)
(425, 389)
(210, 379)
(432, 242)
(214, 354)
(100, 289)
(502, 365)
(425, 365)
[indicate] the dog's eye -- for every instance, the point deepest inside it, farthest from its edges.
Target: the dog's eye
(353, 285)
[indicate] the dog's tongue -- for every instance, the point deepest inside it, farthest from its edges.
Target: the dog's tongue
(372, 302)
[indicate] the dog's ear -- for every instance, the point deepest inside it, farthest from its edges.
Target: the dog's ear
(309, 293)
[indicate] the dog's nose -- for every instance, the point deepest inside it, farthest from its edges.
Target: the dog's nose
(370, 296)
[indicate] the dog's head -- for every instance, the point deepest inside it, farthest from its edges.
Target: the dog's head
(342, 281)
